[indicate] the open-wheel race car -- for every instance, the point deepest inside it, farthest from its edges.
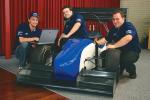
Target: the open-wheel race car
(79, 66)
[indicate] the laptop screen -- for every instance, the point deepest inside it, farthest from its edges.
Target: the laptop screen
(48, 36)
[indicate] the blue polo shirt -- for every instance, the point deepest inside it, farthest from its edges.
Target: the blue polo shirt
(81, 32)
(115, 34)
(24, 31)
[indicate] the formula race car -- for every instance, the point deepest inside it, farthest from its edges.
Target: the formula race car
(79, 66)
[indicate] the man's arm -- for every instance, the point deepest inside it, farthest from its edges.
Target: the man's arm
(122, 42)
(60, 39)
(73, 30)
(23, 39)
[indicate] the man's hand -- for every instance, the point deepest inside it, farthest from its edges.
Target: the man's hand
(64, 36)
(61, 37)
(24, 39)
(35, 39)
(101, 41)
(111, 46)
(95, 40)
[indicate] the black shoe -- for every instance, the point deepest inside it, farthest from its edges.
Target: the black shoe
(133, 76)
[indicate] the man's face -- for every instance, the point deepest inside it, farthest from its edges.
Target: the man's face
(33, 21)
(117, 20)
(67, 13)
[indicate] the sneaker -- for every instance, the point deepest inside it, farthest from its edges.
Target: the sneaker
(133, 76)
(19, 68)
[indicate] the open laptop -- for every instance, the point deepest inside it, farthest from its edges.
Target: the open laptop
(48, 36)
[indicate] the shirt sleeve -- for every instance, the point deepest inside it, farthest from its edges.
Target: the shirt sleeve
(130, 29)
(79, 18)
(20, 31)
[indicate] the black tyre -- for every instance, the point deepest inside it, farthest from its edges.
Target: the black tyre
(111, 59)
(39, 54)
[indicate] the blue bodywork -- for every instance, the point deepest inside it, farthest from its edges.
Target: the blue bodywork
(67, 62)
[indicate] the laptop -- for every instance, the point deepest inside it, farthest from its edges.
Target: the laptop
(48, 36)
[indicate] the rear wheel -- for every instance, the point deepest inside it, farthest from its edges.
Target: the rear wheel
(111, 61)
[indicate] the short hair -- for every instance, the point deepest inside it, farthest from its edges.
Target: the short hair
(119, 11)
(67, 6)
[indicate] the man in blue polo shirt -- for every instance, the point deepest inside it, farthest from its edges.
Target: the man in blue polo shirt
(123, 36)
(27, 34)
(74, 26)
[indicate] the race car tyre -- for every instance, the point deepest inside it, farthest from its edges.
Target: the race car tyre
(111, 59)
(39, 54)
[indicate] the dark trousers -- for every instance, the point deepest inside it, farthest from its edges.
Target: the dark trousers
(127, 60)
(22, 53)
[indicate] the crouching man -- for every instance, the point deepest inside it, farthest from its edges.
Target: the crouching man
(123, 37)
(27, 35)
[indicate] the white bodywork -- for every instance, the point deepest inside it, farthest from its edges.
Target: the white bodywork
(89, 52)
